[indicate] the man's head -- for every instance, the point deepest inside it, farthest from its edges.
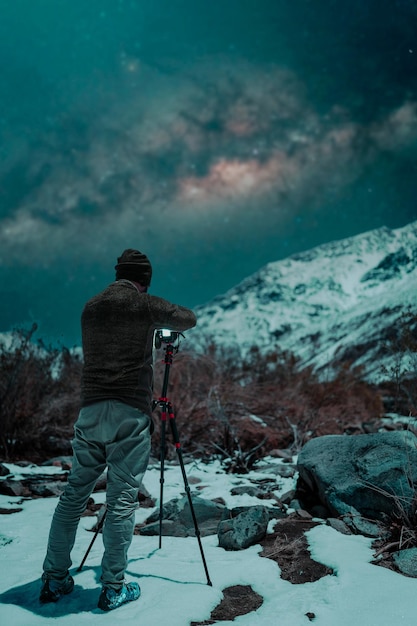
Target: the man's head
(134, 265)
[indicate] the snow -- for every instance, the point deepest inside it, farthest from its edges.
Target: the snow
(173, 582)
(321, 302)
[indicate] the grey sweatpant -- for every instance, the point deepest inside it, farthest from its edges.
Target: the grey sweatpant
(116, 435)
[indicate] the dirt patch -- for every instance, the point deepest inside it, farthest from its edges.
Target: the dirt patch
(237, 600)
(288, 547)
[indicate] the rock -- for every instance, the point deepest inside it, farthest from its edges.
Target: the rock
(249, 490)
(13, 488)
(318, 510)
(286, 455)
(295, 504)
(169, 528)
(39, 485)
(194, 480)
(59, 461)
(205, 510)
(10, 511)
(274, 512)
(101, 483)
(244, 530)
(46, 489)
(219, 500)
(303, 514)
(288, 496)
(362, 526)
(338, 525)
(262, 491)
(361, 473)
(4, 471)
(284, 471)
(145, 499)
(178, 520)
(406, 561)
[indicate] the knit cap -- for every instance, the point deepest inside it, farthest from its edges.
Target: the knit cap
(134, 265)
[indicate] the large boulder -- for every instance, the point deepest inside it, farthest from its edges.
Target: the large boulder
(373, 475)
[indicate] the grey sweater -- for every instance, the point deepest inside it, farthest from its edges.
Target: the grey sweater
(117, 334)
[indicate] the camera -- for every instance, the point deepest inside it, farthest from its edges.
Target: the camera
(164, 335)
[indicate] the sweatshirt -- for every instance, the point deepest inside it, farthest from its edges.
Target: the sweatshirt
(118, 328)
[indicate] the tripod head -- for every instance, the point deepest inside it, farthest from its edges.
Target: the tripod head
(169, 337)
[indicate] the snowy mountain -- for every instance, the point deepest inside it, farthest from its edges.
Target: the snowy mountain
(342, 301)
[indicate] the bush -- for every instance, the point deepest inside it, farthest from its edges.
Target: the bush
(226, 407)
(242, 409)
(39, 392)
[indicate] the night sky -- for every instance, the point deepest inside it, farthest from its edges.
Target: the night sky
(213, 135)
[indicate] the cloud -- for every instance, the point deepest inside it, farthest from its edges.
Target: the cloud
(183, 151)
(398, 130)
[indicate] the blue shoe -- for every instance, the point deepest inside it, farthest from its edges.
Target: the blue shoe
(110, 599)
(52, 590)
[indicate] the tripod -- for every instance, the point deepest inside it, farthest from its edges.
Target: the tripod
(169, 338)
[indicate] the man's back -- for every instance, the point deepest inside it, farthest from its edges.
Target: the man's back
(117, 329)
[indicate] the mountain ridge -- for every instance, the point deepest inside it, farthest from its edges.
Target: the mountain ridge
(339, 302)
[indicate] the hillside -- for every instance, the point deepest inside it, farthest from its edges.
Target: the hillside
(344, 301)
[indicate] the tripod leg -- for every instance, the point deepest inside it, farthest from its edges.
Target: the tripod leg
(100, 525)
(162, 475)
(174, 431)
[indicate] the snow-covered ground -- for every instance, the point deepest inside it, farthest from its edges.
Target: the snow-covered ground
(173, 581)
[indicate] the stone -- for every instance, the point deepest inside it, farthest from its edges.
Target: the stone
(249, 490)
(372, 475)
(284, 471)
(363, 526)
(13, 488)
(178, 520)
(246, 529)
(64, 461)
(4, 471)
(406, 561)
(287, 496)
(47, 489)
(319, 511)
(338, 525)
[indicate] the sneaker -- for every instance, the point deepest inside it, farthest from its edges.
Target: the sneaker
(110, 599)
(52, 590)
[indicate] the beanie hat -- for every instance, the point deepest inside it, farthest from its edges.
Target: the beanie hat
(134, 265)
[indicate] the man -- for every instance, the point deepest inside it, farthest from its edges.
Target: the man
(113, 426)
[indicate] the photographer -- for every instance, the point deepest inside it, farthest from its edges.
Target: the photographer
(113, 428)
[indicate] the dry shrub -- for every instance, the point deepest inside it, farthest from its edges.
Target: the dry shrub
(225, 406)
(243, 409)
(38, 388)
(58, 410)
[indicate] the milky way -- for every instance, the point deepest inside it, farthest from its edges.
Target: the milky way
(214, 140)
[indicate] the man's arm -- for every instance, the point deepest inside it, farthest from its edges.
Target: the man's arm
(165, 314)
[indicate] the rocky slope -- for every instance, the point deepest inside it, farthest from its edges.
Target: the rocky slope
(340, 302)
